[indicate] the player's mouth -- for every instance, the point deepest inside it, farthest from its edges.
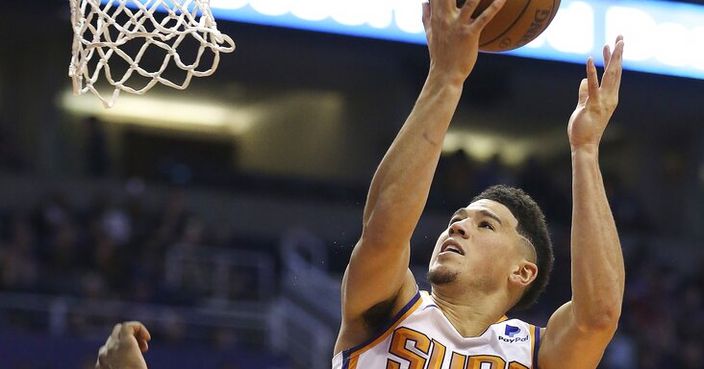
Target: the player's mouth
(451, 245)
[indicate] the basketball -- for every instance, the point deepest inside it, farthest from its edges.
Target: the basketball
(518, 23)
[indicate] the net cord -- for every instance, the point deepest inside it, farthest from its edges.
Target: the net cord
(92, 39)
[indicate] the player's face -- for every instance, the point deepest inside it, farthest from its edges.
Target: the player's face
(479, 247)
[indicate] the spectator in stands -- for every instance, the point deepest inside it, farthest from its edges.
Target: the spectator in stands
(19, 268)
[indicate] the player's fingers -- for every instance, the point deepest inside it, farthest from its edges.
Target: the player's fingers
(607, 51)
(143, 345)
(612, 75)
(620, 45)
(592, 78)
(100, 363)
(128, 330)
(143, 336)
(616, 61)
(619, 38)
(440, 7)
(488, 14)
(140, 331)
(116, 331)
(583, 92)
(135, 329)
(468, 9)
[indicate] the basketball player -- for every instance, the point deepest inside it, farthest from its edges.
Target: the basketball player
(494, 256)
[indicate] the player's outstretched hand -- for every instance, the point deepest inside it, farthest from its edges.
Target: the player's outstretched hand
(597, 102)
(453, 35)
(124, 347)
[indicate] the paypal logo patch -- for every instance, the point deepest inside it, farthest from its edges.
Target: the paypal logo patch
(511, 335)
(511, 330)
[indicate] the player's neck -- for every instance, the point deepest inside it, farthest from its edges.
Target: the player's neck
(470, 316)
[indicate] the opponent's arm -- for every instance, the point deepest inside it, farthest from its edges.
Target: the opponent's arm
(378, 268)
(124, 348)
(579, 331)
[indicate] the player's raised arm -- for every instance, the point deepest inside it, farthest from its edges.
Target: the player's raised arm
(378, 268)
(578, 332)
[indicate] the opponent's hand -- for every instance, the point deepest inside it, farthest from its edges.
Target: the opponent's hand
(124, 347)
(596, 102)
(453, 36)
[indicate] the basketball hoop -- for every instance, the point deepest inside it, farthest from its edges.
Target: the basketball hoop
(102, 30)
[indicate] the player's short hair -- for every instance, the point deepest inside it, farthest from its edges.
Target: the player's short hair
(531, 225)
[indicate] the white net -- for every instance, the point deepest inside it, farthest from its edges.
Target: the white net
(124, 32)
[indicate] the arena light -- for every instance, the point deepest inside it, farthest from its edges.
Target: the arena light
(663, 37)
(166, 113)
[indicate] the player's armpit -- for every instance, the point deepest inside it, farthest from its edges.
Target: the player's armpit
(377, 283)
(375, 275)
(564, 344)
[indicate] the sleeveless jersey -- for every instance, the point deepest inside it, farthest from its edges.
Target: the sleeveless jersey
(421, 337)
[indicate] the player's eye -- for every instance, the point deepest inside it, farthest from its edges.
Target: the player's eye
(485, 224)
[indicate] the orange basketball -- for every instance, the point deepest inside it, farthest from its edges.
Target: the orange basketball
(518, 23)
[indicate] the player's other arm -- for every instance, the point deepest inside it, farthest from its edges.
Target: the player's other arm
(578, 333)
(378, 268)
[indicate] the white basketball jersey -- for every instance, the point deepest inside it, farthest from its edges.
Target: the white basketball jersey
(421, 337)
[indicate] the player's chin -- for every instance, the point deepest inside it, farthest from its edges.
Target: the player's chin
(442, 274)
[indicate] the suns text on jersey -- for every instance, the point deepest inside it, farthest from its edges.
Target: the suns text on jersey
(431, 354)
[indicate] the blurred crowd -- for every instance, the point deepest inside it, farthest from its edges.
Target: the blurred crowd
(105, 250)
(113, 251)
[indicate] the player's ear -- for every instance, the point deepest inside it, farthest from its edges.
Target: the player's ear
(524, 273)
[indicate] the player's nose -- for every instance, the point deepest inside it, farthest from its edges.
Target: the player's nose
(460, 228)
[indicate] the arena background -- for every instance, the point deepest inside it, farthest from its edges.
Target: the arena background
(229, 240)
